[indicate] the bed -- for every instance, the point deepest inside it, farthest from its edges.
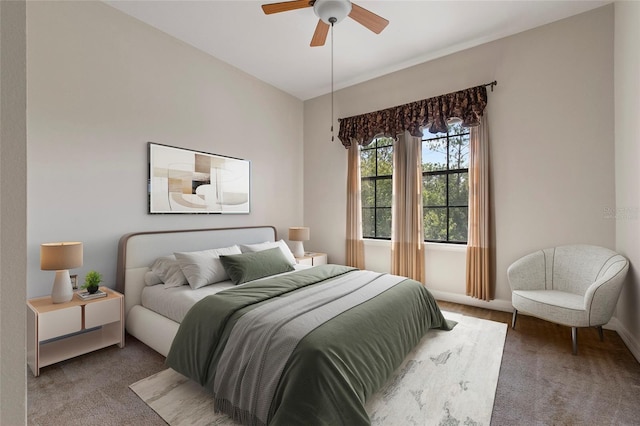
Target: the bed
(299, 346)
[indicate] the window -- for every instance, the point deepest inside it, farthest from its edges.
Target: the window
(376, 169)
(445, 185)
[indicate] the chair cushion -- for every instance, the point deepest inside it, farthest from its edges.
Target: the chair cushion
(552, 305)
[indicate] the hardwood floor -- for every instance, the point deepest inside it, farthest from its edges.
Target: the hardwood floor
(540, 382)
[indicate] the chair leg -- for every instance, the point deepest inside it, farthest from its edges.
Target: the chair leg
(574, 339)
(513, 319)
(600, 333)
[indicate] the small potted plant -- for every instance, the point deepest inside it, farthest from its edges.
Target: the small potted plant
(91, 281)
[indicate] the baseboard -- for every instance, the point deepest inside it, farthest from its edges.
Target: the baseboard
(496, 305)
(628, 339)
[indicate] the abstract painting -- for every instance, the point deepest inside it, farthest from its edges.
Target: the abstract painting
(186, 181)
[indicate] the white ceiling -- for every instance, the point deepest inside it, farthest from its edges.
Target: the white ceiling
(275, 48)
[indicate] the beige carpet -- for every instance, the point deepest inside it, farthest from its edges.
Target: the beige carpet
(449, 378)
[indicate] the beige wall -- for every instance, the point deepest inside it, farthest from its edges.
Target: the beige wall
(100, 86)
(13, 198)
(627, 148)
(552, 145)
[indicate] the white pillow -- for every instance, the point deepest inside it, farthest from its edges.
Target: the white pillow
(168, 269)
(151, 278)
(204, 267)
(267, 245)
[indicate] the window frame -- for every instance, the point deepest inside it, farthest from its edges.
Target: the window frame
(447, 173)
(374, 146)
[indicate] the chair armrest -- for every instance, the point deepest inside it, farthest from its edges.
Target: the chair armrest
(602, 296)
(528, 272)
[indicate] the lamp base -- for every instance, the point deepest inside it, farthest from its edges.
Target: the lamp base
(62, 289)
(297, 248)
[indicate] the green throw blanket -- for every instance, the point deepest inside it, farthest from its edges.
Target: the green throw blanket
(334, 368)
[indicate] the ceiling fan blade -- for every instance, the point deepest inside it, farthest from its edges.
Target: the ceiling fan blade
(320, 35)
(284, 6)
(367, 18)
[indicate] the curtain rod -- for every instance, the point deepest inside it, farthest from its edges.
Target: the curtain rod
(493, 83)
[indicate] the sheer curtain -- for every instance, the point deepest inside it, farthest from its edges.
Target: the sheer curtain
(407, 239)
(479, 254)
(355, 244)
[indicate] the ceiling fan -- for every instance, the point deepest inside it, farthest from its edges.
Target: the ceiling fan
(330, 12)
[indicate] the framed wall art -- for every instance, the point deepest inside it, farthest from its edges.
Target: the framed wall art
(186, 181)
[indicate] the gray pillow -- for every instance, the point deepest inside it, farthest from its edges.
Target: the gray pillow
(204, 267)
(253, 265)
(150, 278)
(168, 270)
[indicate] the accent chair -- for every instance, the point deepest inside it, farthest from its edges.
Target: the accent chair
(572, 285)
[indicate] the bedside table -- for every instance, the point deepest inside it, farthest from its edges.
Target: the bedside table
(56, 332)
(313, 259)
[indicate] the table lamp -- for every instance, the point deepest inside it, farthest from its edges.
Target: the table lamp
(298, 234)
(61, 257)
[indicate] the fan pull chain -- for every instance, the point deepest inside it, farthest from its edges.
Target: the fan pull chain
(332, 20)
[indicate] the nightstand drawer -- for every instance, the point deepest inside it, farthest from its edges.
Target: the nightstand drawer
(305, 261)
(101, 312)
(60, 322)
(319, 259)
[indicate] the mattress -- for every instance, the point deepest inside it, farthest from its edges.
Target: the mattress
(175, 302)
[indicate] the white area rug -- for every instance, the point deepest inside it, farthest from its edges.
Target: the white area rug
(449, 378)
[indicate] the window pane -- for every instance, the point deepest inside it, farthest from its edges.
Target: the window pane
(458, 189)
(383, 223)
(384, 142)
(457, 129)
(368, 223)
(458, 223)
(376, 168)
(434, 155)
(435, 224)
(434, 191)
(368, 193)
(383, 193)
(367, 162)
(458, 152)
(385, 161)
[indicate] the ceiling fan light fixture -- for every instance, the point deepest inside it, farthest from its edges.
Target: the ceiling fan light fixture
(332, 11)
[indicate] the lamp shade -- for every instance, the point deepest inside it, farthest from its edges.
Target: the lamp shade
(60, 256)
(299, 233)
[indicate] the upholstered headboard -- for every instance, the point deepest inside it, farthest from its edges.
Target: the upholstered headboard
(137, 251)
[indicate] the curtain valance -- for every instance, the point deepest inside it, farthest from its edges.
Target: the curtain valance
(468, 105)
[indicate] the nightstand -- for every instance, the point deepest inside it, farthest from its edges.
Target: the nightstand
(59, 331)
(313, 259)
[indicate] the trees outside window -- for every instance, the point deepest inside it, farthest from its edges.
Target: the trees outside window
(376, 169)
(445, 185)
